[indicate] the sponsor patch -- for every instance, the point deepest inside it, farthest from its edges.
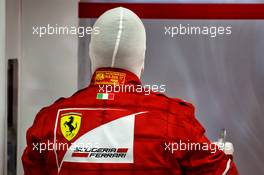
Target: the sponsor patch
(70, 124)
(100, 152)
(110, 77)
(112, 142)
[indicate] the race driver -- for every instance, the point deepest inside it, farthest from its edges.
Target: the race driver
(121, 132)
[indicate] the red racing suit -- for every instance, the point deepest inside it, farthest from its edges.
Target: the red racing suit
(115, 126)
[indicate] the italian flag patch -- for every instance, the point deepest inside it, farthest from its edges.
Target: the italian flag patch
(105, 96)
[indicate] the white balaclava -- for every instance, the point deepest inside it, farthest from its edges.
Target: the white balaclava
(121, 42)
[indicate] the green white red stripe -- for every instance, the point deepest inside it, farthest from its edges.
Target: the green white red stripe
(105, 96)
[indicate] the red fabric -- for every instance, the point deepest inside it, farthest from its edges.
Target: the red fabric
(167, 120)
(177, 11)
(80, 154)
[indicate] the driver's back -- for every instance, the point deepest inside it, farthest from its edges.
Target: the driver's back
(119, 133)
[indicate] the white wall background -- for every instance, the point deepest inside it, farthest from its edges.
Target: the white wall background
(2, 89)
(48, 65)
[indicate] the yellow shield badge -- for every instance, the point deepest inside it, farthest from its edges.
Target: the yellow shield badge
(70, 125)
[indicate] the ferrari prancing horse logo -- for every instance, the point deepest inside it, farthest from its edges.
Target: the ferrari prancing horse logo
(70, 125)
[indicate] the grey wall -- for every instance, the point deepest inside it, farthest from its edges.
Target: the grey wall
(13, 26)
(222, 77)
(2, 90)
(48, 65)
